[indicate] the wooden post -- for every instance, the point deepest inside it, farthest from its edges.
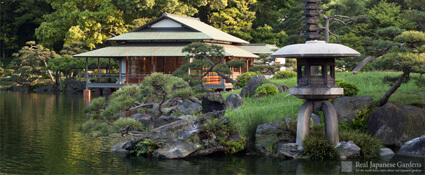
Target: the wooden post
(87, 73)
(154, 63)
(126, 72)
(144, 66)
(247, 65)
(98, 69)
(119, 71)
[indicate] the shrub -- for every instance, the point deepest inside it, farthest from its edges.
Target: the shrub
(266, 89)
(243, 79)
(128, 123)
(222, 135)
(359, 123)
(350, 89)
(88, 126)
(285, 74)
(369, 146)
(120, 101)
(316, 145)
(144, 147)
(96, 104)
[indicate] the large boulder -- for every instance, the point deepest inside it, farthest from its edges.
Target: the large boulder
(270, 134)
(179, 139)
(413, 148)
(348, 150)
(234, 101)
(249, 89)
(189, 108)
(165, 120)
(143, 118)
(395, 125)
(348, 107)
(213, 102)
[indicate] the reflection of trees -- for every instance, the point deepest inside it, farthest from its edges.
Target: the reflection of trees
(41, 130)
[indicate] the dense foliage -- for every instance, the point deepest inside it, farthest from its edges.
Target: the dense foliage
(266, 89)
(219, 133)
(150, 97)
(242, 79)
(350, 89)
(316, 145)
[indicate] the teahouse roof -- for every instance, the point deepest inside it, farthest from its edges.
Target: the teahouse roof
(189, 29)
(156, 50)
(260, 48)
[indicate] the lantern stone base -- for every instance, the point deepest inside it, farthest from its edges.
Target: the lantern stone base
(331, 121)
(316, 93)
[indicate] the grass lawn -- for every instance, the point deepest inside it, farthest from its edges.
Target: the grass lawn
(257, 111)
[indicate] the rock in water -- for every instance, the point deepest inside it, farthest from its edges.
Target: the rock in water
(288, 151)
(348, 107)
(395, 125)
(414, 148)
(348, 150)
(120, 150)
(178, 139)
(213, 102)
(269, 134)
(234, 101)
(249, 89)
(384, 152)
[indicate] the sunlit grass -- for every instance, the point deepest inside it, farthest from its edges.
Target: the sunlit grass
(257, 111)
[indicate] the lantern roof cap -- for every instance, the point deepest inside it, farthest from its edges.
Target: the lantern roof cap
(315, 49)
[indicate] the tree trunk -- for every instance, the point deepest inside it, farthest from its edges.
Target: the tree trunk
(48, 71)
(388, 94)
(326, 29)
(226, 77)
(363, 63)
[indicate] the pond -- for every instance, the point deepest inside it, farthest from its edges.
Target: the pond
(39, 135)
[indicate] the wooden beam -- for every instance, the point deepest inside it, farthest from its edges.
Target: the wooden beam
(98, 69)
(87, 73)
(154, 63)
(126, 68)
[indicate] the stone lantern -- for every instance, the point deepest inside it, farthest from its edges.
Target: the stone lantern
(315, 75)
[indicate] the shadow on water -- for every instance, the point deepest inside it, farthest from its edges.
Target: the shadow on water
(38, 134)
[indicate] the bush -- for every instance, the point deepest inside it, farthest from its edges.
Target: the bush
(222, 135)
(266, 89)
(350, 89)
(243, 79)
(316, 145)
(369, 146)
(359, 123)
(128, 123)
(88, 126)
(285, 74)
(145, 147)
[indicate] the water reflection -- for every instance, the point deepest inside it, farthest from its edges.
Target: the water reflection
(38, 134)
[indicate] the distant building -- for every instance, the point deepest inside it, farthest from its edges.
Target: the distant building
(156, 47)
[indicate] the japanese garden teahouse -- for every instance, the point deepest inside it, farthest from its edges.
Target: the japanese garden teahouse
(315, 75)
(156, 47)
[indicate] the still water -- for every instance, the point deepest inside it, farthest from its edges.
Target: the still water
(39, 135)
